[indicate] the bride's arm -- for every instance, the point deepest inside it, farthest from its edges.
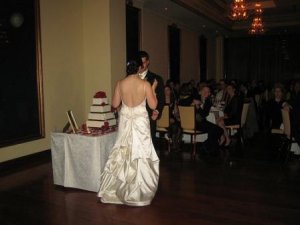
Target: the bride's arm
(150, 95)
(116, 100)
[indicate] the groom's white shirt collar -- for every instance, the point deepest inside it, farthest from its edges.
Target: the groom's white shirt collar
(143, 74)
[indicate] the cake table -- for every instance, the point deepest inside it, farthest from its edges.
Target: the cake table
(78, 160)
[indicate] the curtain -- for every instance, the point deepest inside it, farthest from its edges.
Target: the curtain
(268, 58)
(174, 52)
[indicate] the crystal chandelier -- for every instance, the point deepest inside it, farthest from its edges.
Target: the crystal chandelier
(238, 10)
(257, 26)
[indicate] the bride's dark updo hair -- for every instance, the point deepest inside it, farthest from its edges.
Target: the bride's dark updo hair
(133, 65)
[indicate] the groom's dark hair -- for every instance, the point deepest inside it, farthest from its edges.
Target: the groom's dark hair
(143, 54)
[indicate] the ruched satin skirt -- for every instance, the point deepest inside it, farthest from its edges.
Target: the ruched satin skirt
(132, 171)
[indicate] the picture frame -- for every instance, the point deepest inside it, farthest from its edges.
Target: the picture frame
(72, 121)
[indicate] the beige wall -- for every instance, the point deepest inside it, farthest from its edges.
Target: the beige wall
(61, 35)
(154, 40)
(117, 40)
(211, 57)
(96, 42)
(78, 60)
(84, 51)
(104, 41)
(189, 56)
(219, 58)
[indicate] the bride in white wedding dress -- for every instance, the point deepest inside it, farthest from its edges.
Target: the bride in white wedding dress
(131, 173)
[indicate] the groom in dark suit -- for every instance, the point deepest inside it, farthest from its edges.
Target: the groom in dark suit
(150, 77)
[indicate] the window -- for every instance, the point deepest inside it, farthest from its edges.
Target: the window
(21, 100)
(132, 31)
(174, 53)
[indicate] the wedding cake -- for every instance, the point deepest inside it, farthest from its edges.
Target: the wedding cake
(101, 115)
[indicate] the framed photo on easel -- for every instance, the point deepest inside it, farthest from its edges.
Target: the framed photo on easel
(72, 121)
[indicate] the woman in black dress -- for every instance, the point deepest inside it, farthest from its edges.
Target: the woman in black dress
(273, 108)
(232, 111)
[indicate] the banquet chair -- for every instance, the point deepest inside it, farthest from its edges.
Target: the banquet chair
(258, 100)
(163, 123)
(238, 128)
(285, 133)
(188, 125)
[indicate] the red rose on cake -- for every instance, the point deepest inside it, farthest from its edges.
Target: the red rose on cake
(101, 115)
(105, 126)
(100, 94)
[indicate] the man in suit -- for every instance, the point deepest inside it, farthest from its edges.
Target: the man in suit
(146, 74)
(214, 132)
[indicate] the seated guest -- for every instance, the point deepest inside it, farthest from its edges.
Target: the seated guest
(232, 111)
(176, 89)
(200, 85)
(174, 130)
(170, 95)
(221, 94)
(295, 112)
(293, 106)
(185, 95)
(193, 88)
(273, 108)
(290, 90)
(214, 132)
(167, 91)
(243, 89)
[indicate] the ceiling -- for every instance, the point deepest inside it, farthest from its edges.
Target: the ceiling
(211, 16)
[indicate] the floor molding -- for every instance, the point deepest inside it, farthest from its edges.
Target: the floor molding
(28, 161)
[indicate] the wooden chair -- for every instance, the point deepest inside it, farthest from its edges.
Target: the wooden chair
(258, 100)
(163, 124)
(238, 128)
(288, 139)
(188, 124)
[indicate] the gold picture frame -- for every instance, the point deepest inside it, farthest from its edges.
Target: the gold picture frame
(72, 121)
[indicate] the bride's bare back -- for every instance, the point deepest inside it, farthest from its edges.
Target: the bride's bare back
(132, 91)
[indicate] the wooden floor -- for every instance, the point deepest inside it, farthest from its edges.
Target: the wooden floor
(246, 191)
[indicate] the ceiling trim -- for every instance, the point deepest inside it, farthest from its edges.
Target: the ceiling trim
(204, 9)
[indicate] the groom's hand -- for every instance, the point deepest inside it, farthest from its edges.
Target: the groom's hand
(154, 115)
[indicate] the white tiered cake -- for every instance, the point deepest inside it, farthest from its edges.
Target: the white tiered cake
(100, 112)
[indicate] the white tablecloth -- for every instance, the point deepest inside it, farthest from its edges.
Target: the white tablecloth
(213, 115)
(78, 160)
(295, 148)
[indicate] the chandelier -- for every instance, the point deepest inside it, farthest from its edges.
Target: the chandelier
(257, 26)
(238, 10)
